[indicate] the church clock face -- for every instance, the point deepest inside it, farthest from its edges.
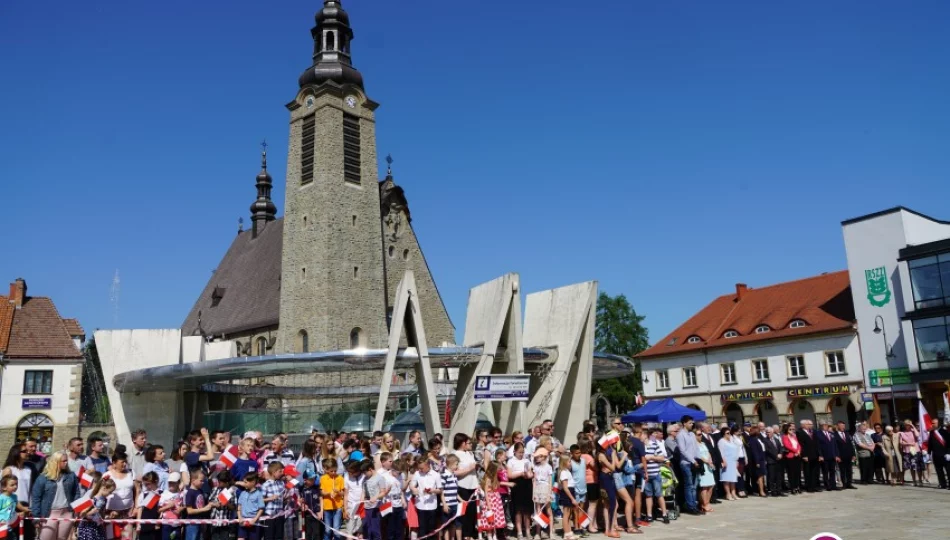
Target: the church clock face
(350, 101)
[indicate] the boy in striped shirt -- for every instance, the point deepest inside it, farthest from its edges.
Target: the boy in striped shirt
(655, 457)
(450, 489)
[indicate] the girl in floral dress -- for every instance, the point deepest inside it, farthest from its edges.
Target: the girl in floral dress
(541, 491)
(491, 515)
(91, 527)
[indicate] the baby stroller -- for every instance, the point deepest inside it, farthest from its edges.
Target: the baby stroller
(669, 491)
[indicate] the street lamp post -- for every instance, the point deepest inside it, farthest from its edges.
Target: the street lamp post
(888, 354)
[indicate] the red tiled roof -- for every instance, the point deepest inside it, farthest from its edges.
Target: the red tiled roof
(6, 321)
(823, 302)
(73, 328)
(39, 332)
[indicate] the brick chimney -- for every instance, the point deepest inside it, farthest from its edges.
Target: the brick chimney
(18, 292)
(741, 289)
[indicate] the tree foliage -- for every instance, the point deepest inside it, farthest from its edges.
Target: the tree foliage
(620, 331)
(94, 402)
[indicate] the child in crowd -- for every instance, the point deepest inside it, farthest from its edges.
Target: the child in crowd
(450, 485)
(250, 508)
(225, 510)
(395, 523)
(8, 503)
(91, 527)
(310, 500)
(352, 495)
(331, 487)
(244, 464)
(147, 507)
(565, 498)
(273, 490)
(504, 485)
(375, 488)
(195, 505)
(541, 487)
(169, 505)
(521, 471)
(426, 485)
(578, 470)
(491, 518)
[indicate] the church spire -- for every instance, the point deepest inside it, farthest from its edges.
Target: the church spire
(331, 48)
(263, 209)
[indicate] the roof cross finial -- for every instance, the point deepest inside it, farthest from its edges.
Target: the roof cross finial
(389, 164)
(264, 153)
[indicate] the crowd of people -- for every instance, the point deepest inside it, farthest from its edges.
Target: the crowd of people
(495, 485)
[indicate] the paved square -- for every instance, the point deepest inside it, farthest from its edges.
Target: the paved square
(867, 513)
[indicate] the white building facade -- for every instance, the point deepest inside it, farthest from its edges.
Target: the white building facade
(775, 354)
(899, 264)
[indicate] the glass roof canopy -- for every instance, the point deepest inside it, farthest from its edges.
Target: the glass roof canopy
(193, 375)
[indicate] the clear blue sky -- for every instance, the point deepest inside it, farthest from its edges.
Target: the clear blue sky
(666, 149)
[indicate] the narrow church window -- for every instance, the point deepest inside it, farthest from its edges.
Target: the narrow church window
(307, 140)
(305, 222)
(303, 341)
(331, 44)
(405, 254)
(356, 338)
(351, 148)
(354, 221)
(392, 250)
(303, 274)
(261, 346)
(356, 272)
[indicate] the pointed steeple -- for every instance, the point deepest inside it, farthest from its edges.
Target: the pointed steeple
(331, 48)
(263, 209)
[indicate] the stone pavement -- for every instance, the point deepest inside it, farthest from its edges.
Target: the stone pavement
(867, 513)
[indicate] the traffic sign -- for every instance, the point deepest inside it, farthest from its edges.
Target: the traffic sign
(888, 377)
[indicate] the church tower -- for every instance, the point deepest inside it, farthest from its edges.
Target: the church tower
(332, 290)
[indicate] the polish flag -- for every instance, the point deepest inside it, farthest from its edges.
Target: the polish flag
(585, 521)
(556, 489)
(229, 456)
(292, 483)
(224, 496)
(361, 511)
(608, 440)
(81, 505)
(924, 425)
(639, 400)
(114, 531)
(385, 509)
(151, 500)
(463, 506)
(542, 519)
(86, 479)
(5, 530)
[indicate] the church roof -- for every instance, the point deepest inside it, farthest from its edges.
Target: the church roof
(244, 291)
(822, 303)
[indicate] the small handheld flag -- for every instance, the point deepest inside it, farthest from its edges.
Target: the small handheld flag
(385, 509)
(86, 479)
(4, 530)
(541, 519)
(361, 511)
(585, 519)
(463, 506)
(224, 496)
(81, 505)
(229, 457)
(608, 440)
(292, 483)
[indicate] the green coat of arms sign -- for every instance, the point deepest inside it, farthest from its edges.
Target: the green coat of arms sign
(879, 292)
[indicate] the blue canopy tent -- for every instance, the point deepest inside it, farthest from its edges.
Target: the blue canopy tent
(661, 410)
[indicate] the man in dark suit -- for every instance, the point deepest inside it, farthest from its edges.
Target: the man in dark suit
(758, 460)
(938, 444)
(845, 455)
(716, 458)
(810, 465)
(828, 456)
(773, 459)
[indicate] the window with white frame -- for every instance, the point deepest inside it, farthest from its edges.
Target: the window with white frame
(663, 380)
(835, 362)
(796, 366)
(761, 329)
(760, 370)
(730, 334)
(728, 373)
(797, 323)
(693, 339)
(689, 377)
